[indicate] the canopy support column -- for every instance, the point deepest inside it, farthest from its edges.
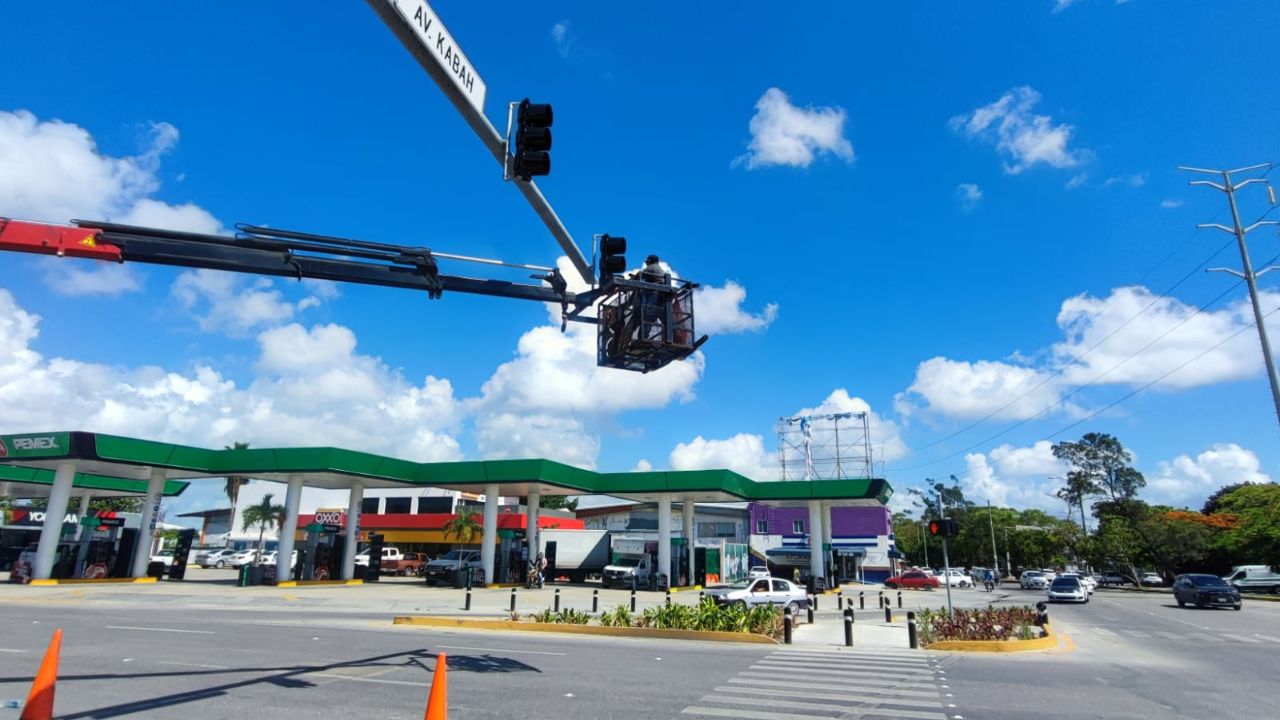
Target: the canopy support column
(54, 512)
(686, 515)
(531, 523)
(352, 531)
(147, 523)
(85, 499)
(827, 542)
(815, 538)
(284, 546)
(664, 536)
(490, 543)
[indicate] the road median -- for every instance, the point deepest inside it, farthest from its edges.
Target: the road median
(514, 625)
(1048, 641)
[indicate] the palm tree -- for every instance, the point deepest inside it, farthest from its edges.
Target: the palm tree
(465, 527)
(235, 482)
(264, 515)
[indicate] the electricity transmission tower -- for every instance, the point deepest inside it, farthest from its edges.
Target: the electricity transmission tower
(1248, 275)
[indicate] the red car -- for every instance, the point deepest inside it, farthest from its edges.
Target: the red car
(914, 579)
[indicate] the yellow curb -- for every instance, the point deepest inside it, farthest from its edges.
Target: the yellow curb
(503, 586)
(92, 581)
(317, 583)
(1048, 642)
(464, 623)
(685, 588)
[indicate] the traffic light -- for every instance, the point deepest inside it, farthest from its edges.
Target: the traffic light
(612, 260)
(944, 527)
(533, 140)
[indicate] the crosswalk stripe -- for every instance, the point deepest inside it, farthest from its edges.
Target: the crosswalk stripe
(908, 660)
(752, 714)
(844, 710)
(1137, 634)
(1240, 638)
(778, 692)
(1204, 638)
(848, 666)
(804, 671)
(770, 679)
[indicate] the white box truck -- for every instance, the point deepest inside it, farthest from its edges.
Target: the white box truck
(575, 554)
(1254, 578)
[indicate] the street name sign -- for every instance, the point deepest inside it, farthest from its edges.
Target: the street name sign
(440, 45)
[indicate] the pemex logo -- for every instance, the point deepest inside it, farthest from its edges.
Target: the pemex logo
(4, 449)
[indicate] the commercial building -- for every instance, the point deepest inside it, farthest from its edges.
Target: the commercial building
(856, 543)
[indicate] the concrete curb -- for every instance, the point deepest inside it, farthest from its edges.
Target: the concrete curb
(93, 581)
(1048, 642)
(468, 624)
(316, 583)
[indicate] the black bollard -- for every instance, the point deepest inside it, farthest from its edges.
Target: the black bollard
(862, 600)
(513, 599)
(888, 613)
(557, 600)
(668, 596)
(911, 631)
(899, 599)
(468, 606)
(595, 601)
(701, 597)
(633, 599)
(881, 598)
(848, 603)
(811, 609)
(815, 600)
(786, 625)
(848, 626)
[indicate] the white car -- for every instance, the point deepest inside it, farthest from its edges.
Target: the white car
(763, 591)
(1033, 580)
(1089, 583)
(1068, 589)
(758, 571)
(1152, 579)
(164, 556)
(1050, 574)
(956, 578)
(270, 558)
(244, 557)
(215, 558)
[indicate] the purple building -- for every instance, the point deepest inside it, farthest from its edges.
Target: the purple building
(861, 548)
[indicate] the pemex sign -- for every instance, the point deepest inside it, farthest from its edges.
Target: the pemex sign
(35, 445)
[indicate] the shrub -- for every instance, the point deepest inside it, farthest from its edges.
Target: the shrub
(1011, 623)
(570, 616)
(617, 617)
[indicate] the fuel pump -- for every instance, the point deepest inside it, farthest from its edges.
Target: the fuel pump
(96, 551)
(319, 556)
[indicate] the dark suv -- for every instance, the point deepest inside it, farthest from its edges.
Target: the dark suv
(1205, 591)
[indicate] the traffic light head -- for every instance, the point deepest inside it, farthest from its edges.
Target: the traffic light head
(533, 140)
(612, 259)
(937, 528)
(944, 527)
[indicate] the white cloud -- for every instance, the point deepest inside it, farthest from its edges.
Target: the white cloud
(563, 41)
(1187, 481)
(234, 303)
(1010, 486)
(783, 134)
(1060, 5)
(53, 171)
(718, 311)
(969, 196)
(1025, 138)
(743, 453)
(1135, 180)
(1127, 328)
(886, 437)
(1171, 203)
(642, 465)
(537, 435)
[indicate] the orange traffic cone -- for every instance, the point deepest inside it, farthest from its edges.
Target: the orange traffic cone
(438, 700)
(39, 704)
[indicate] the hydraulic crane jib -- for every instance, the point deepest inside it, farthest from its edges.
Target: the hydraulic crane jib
(641, 326)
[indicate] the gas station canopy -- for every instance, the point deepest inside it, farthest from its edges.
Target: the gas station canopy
(116, 462)
(33, 482)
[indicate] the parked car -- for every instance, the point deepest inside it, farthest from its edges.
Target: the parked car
(1115, 578)
(164, 556)
(1049, 574)
(1068, 589)
(270, 559)
(443, 568)
(763, 591)
(408, 564)
(1152, 579)
(956, 578)
(758, 571)
(215, 558)
(244, 557)
(388, 553)
(1033, 580)
(913, 579)
(1205, 591)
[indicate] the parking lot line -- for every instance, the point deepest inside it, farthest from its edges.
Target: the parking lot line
(156, 629)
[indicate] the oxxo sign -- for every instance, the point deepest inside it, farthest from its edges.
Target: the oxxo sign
(329, 517)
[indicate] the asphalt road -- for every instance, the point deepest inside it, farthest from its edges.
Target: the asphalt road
(1136, 656)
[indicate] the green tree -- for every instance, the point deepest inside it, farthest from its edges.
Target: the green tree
(263, 516)
(233, 483)
(1180, 544)
(1255, 537)
(1213, 503)
(464, 527)
(1080, 487)
(1102, 463)
(557, 502)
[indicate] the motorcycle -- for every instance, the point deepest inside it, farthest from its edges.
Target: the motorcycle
(535, 578)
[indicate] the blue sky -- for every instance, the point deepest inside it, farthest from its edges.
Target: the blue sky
(932, 211)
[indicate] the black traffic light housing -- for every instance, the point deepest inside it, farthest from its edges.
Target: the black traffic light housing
(533, 140)
(944, 527)
(612, 259)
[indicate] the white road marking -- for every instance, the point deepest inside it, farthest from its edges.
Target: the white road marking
(1104, 631)
(380, 681)
(828, 695)
(847, 666)
(1268, 638)
(156, 629)
(1168, 635)
(199, 665)
(803, 671)
(1204, 638)
(1240, 638)
(11, 650)
(770, 679)
(844, 710)
(1137, 634)
(752, 714)
(499, 650)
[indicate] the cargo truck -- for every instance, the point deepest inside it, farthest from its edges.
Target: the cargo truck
(574, 554)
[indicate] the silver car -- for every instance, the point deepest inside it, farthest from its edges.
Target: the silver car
(215, 558)
(763, 591)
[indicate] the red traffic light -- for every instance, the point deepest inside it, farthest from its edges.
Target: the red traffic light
(936, 528)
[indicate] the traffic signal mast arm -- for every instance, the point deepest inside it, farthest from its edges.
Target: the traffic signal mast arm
(264, 251)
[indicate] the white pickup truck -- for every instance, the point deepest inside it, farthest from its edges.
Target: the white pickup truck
(628, 571)
(388, 553)
(443, 568)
